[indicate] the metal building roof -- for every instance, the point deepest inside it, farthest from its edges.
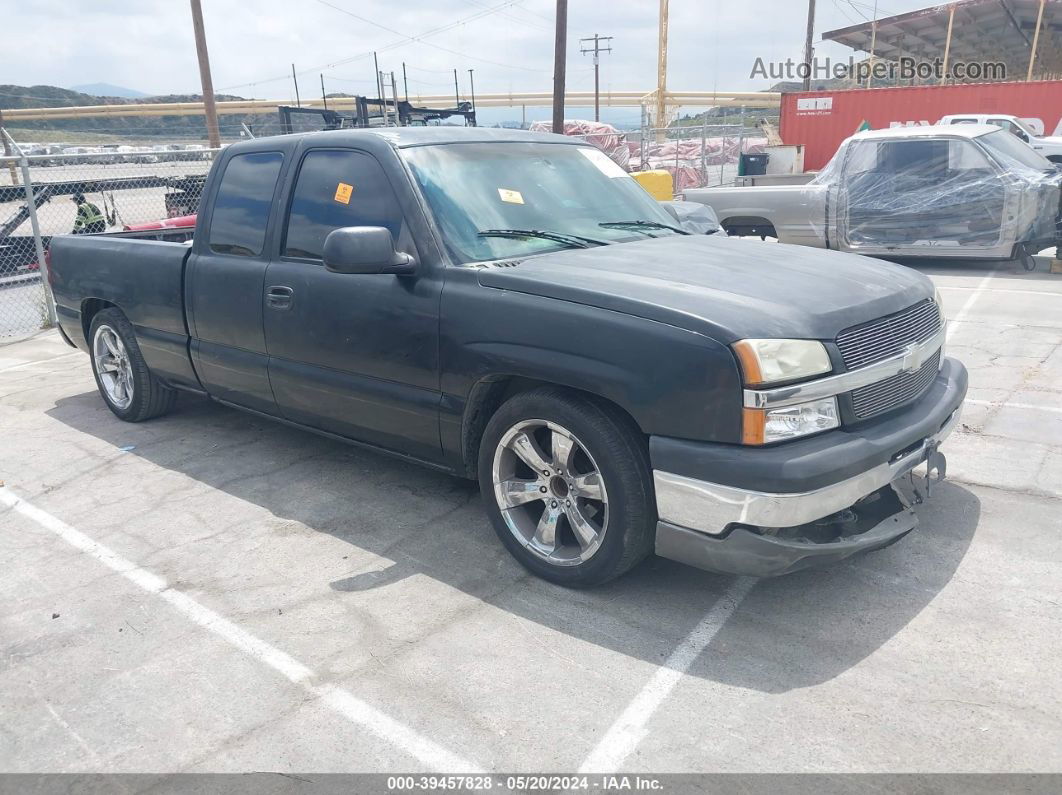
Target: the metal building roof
(982, 30)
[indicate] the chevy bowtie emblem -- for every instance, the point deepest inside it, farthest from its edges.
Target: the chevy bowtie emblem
(911, 358)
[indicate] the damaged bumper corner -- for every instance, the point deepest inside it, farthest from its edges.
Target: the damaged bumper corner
(733, 530)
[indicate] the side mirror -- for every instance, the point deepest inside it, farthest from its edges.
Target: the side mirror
(365, 249)
(694, 217)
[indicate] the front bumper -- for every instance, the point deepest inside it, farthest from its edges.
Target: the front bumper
(770, 511)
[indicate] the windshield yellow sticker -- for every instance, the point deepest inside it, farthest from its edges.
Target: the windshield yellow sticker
(511, 196)
(343, 192)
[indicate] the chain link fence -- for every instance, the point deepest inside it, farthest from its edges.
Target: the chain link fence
(136, 186)
(696, 154)
(130, 187)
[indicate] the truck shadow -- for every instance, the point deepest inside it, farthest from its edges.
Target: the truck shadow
(791, 632)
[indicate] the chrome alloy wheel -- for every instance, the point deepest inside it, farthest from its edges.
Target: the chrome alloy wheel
(112, 364)
(550, 492)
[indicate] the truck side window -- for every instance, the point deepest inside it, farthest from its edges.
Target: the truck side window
(241, 209)
(337, 188)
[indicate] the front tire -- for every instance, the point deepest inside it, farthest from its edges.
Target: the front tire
(126, 384)
(567, 485)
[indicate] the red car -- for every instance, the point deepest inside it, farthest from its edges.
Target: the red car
(180, 222)
(186, 222)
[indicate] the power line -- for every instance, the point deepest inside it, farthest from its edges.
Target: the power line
(536, 14)
(419, 39)
(507, 15)
(843, 13)
(406, 39)
(437, 71)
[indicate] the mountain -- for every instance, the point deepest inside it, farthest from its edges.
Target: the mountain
(108, 90)
(191, 127)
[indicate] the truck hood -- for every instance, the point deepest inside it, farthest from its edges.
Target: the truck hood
(726, 289)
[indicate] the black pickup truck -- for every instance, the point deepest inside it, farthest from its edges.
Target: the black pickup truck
(513, 307)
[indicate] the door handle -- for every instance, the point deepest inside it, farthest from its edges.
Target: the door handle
(279, 297)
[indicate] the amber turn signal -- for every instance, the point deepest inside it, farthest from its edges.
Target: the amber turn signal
(753, 426)
(750, 363)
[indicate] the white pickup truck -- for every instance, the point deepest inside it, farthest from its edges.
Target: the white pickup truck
(1049, 146)
(959, 191)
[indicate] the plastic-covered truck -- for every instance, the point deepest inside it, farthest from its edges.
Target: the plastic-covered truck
(969, 191)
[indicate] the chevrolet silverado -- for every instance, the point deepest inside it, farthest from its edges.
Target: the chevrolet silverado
(512, 307)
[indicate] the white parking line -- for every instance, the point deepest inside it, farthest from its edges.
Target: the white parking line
(1005, 405)
(1004, 290)
(628, 730)
(341, 701)
(24, 365)
(968, 304)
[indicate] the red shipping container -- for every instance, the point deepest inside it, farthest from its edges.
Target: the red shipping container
(820, 120)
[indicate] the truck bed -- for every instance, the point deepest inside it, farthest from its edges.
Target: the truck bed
(143, 278)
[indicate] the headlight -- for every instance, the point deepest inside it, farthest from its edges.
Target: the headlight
(771, 361)
(764, 426)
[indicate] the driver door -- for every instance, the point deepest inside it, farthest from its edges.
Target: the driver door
(352, 354)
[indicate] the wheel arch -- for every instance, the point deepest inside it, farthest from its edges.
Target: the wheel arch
(490, 392)
(90, 307)
(739, 225)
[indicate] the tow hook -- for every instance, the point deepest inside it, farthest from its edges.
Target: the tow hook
(936, 467)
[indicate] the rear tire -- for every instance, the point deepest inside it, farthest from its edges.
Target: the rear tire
(566, 482)
(126, 384)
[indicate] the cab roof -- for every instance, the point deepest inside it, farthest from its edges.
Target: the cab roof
(930, 131)
(401, 137)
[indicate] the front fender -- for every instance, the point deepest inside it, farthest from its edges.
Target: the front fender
(671, 381)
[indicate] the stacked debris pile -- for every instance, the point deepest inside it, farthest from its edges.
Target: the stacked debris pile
(682, 158)
(604, 136)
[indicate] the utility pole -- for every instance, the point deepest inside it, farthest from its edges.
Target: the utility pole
(560, 44)
(394, 96)
(873, 44)
(405, 81)
(597, 74)
(472, 88)
(457, 92)
(295, 80)
(380, 88)
(7, 152)
(661, 74)
(809, 51)
(324, 96)
(209, 108)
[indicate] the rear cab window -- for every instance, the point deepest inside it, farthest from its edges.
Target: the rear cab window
(241, 208)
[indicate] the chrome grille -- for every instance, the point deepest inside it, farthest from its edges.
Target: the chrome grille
(869, 401)
(888, 336)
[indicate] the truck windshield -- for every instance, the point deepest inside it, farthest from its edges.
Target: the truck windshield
(1008, 149)
(560, 189)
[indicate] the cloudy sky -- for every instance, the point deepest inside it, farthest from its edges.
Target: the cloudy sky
(147, 44)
